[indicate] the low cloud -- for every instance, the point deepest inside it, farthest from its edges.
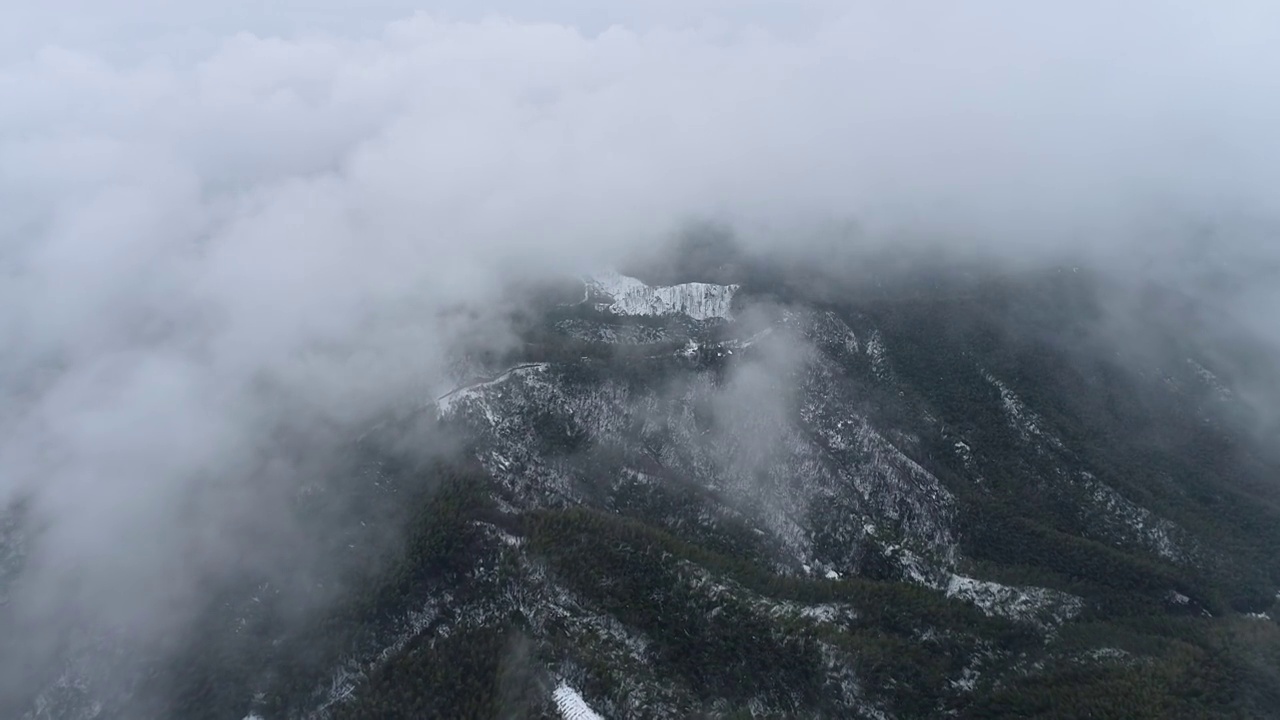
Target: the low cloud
(201, 248)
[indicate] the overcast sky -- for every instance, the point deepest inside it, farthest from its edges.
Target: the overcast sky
(200, 200)
(136, 27)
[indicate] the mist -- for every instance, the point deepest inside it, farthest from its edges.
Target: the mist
(218, 231)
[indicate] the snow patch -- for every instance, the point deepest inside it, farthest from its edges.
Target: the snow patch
(876, 350)
(967, 681)
(572, 706)
(1141, 525)
(1210, 379)
(1040, 606)
(824, 613)
(1022, 419)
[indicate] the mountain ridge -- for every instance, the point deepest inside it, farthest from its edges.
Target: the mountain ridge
(880, 508)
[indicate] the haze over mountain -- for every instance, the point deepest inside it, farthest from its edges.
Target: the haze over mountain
(235, 239)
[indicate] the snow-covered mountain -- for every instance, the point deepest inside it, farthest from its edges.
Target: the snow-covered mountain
(943, 505)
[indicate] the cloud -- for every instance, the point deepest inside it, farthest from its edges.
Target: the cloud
(204, 241)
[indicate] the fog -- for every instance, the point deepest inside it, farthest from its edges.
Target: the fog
(217, 220)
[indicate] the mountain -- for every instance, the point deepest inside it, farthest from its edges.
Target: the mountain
(735, 489)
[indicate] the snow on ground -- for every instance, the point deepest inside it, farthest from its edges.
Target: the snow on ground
(448, 402)
(1132, 522)
(876, 352)
(571, 705)
(700, 301)
(967, 681)
(1223, 392)
(1142, 526)
(1030, 604)
(825, 612)
(1027, 423)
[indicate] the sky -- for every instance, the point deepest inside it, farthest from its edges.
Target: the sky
(218, 218)
(134, 27)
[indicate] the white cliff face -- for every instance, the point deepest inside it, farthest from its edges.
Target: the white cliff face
(629, 296)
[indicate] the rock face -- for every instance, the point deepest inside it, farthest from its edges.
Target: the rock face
(864, 509)
(628, 296)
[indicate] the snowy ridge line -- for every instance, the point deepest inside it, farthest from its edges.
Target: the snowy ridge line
(1021, 418)
(1224, 392)
(445, 402)
(571, 704)
(700, 301)
(352, 672)
(1139, 524)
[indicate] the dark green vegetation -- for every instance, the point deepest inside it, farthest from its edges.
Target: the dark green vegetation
(1170, 451)
(724, 649)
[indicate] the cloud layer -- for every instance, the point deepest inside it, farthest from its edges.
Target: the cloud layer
(202, 247)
